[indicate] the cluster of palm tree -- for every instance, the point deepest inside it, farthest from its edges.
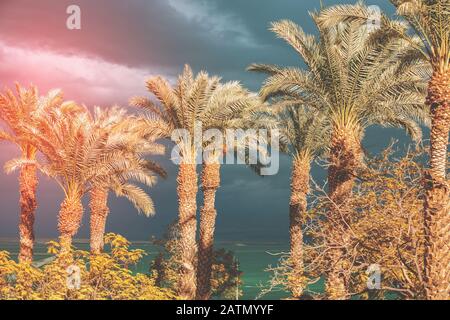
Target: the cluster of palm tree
(83, 152)
(354, 77)
(221, 106)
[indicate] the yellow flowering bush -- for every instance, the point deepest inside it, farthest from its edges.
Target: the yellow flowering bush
(103, 276)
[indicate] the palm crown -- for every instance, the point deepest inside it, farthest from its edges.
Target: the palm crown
(76, 156)
(200, 99)
(303, 130)
(124, 130)
(25, 108)
(356, 77)
(431, 21)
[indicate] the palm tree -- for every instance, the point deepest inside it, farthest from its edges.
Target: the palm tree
(197, 104)
(306, 134)
(430, 19)
(230, 107)
(177, 116)
(16, 110)
(357, 78)
(115, 123)
(77, 157)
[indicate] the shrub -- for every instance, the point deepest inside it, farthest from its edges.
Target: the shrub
(104, 276)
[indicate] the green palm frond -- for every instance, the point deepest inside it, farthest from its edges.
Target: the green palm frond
(198, 99)
(354, 78)
(103, 149)
(265, 68)
(138, 197)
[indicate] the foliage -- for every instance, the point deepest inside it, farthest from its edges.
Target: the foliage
(385, 228)
(225, 278)
(430, 19)
(103, 277)
(355, 77)
(304, 130)
(24, 108)
(118, 127)
(200, 99)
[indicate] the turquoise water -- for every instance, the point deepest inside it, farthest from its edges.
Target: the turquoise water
(253, 259)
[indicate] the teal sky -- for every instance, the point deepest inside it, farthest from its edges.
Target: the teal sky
(106, 62)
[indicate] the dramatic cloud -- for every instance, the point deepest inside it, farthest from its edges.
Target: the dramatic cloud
(88, 80)
(106, 62)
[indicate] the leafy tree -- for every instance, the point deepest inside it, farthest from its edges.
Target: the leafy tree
(102, 277)
(386, 223)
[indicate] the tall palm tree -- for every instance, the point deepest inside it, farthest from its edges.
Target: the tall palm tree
(26, 106)
(180, 108)
(230, 107)
(197, 104)
(306, 133)
(118, 126)
(430, 19)
(76, 157)
(357, 78)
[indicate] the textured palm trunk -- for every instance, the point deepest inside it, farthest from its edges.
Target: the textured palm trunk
(69, 221)
(210, 184)
(301, 166)
(345, 158)
(187, 193)
(27, 184)
(99, 213)
(437, 206)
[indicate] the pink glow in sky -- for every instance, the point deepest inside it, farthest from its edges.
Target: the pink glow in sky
(86, 80)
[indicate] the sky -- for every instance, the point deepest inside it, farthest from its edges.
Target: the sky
(120, 44)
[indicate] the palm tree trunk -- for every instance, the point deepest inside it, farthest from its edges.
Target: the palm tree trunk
(301, 166)
(437, 204)
(27, 184)
(99, 213)
(69, 221)
(345, 158)
(187, 202)
(210, 184)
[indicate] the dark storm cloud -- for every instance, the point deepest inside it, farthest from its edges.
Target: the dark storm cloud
(221, 36)
(134, 33)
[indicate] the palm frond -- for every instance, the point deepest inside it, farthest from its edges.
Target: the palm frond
(138, 197)
(18, 163)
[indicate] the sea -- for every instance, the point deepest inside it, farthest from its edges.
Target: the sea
(253, 260)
